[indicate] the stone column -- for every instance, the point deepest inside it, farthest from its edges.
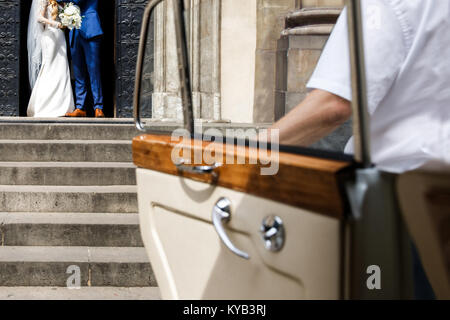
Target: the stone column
(216, 44)
(194, 48)
(206, 74)
(204, 56)
(166, 96)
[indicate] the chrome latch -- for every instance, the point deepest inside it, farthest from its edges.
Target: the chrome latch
(198, 169)
(273, 233)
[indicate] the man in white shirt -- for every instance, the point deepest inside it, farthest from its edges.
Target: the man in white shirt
(407, 44)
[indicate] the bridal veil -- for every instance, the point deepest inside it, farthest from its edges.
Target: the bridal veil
(34, 36)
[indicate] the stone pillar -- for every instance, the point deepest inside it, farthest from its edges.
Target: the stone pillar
(204, 54)
(206, 47)
(216, 43)
(194, 48)
(166, 99)
(204, 42)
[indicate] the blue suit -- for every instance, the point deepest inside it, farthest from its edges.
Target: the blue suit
(85, 50)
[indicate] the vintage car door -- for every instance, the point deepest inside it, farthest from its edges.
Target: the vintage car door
(424, 197)
(261, 222)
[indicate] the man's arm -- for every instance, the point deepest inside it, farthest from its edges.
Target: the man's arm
(316, 117)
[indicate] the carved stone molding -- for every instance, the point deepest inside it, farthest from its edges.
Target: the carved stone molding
(311, 21)
(128, 27)
(9, 58)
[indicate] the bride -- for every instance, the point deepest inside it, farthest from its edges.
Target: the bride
(49, 73)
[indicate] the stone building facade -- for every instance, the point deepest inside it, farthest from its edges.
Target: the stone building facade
(238, 54)
(249, 59)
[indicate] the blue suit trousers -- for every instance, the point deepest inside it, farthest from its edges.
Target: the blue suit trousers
(86, 69)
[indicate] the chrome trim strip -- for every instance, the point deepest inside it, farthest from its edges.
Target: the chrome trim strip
(361, 119)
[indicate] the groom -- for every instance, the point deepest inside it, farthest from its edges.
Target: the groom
(85, 50)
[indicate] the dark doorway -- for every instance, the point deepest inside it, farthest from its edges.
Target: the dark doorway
(107, 12)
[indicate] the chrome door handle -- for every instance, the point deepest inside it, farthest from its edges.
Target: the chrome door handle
(221, 214)
(198, 169)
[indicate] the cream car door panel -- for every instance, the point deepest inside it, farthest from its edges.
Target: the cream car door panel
(190, 261)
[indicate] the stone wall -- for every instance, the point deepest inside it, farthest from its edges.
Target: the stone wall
(271, 21)
(238, 47)
(233, 47)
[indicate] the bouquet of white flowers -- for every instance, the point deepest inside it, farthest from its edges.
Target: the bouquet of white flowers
(70, 16)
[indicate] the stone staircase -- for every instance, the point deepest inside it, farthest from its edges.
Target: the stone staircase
(68, 202)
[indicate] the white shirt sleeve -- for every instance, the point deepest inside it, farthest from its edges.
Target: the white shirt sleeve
(384, 49)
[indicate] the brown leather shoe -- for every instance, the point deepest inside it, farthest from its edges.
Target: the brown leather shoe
(99, 113)
(78, 113)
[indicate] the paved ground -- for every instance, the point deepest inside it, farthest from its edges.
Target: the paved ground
(85, 293)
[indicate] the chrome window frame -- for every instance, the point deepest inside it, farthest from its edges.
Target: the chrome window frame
(184, 72)
(361, 123)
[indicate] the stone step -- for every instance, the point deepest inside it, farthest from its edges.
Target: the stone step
(68, 130)
(100, 129)
(98, 267)
(82, 199)
(84, 293)
(67, 173)
(70, 229)
(66, 150)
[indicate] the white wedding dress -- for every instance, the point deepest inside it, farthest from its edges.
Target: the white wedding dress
(52, 94)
